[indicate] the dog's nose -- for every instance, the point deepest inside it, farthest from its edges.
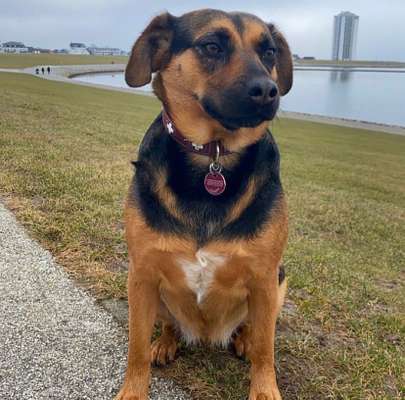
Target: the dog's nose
(262, 90)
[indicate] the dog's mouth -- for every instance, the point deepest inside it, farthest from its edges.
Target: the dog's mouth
(241, 119)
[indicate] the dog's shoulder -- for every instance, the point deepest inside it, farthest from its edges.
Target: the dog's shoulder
(151, 162)
(268, 156)
(154, 143)
(266, 190)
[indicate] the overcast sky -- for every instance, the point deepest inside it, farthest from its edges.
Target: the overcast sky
(306, 23)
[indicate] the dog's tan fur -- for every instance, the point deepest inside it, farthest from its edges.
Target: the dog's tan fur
(244, 290)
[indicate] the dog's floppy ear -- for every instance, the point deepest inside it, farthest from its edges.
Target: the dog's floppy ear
(151, 51)
(284, 63)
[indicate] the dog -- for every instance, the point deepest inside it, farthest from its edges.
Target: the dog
(206, 217)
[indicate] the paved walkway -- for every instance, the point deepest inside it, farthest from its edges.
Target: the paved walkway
(55, 341)
(370, 126)
(16, 71)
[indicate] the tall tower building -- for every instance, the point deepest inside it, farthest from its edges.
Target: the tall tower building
(345, 36)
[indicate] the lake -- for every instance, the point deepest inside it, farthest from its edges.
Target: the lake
(366, 96)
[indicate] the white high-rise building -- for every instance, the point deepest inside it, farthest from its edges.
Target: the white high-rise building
(345, 36)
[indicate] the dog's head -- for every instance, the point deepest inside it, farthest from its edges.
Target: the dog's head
(232, 66)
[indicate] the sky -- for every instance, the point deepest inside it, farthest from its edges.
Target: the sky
(307, 24)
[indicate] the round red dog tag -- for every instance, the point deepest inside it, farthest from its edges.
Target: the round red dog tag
(214, 183)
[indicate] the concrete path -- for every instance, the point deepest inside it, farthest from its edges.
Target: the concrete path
(55, 342)
(350, 123)
(64, 73)
(74, 70)
(16, 71)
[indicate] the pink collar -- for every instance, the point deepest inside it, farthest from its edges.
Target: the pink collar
(208, 149)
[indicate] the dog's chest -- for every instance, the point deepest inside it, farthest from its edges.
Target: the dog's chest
(200, 272)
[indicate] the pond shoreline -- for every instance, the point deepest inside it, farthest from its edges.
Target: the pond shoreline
(65, 73)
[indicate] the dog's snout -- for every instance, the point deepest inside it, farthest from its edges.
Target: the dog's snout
(262, 90)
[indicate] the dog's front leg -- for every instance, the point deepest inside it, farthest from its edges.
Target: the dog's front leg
(263, 310)
(143, 297)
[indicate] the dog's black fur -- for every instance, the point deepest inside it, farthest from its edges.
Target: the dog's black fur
(220, 77)
(159, 152)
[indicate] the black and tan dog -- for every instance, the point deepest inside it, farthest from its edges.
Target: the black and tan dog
(206, 219)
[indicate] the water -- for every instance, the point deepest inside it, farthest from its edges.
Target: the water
(110, 79)
(366, 96)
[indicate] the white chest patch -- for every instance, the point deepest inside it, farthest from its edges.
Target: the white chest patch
(199, 274)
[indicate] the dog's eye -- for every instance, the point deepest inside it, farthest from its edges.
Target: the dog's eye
(212, 49)
(269, 53)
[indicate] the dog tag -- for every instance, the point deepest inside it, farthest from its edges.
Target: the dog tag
(214, 183)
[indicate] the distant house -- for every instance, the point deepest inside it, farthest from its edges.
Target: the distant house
(105, 51)
(14, 47)
(308, 58)
(78, 48)
(37, 50)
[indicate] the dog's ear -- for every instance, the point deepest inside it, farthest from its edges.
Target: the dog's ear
(284, 63)
(151, 51)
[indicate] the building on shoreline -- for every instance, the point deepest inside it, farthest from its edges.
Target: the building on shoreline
(78, 49)
(345, 29)
(13, 47)
(105, 51)
(75, 48)
(81, 48)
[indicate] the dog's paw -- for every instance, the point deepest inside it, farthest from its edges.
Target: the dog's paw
(241, 343)
(263, 384)
(127, 394)
(163, 350)
(240, 346)
(272, 394)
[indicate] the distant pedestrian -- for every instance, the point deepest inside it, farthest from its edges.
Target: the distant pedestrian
(49, 70)
(37, 71)
(43, 70)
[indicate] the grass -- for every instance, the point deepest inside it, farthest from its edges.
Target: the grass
(64, 170)
(30, 60)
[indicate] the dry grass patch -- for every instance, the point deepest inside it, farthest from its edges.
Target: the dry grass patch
(64, 169)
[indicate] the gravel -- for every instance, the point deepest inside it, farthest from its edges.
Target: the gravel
(55, 341)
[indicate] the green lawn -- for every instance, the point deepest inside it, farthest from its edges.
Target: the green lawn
(64, 171)
(30, 60)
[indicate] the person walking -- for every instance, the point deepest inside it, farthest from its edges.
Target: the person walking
(43, 70)
(37, 71)
(49, 70)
